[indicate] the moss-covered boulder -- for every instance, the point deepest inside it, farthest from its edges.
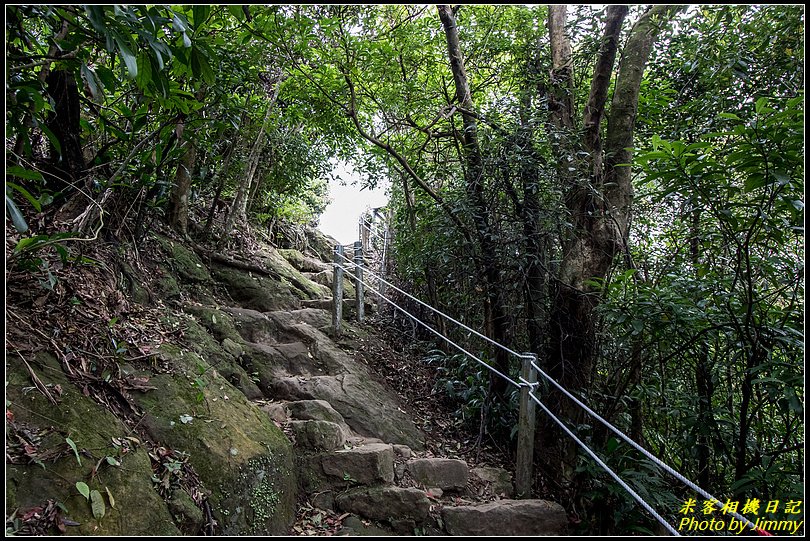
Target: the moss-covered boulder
(184, 262)
(138, 509)
(239, 454)
(303, 263)
(211, 334)
(278, 265)
(257, 292)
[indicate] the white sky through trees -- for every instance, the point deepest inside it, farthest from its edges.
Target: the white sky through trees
(347, 202)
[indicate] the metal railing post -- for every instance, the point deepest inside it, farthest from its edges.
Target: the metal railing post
(337, 291)
(526, 424)
(358, 284)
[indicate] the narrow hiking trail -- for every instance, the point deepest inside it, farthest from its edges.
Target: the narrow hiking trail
(169, 381)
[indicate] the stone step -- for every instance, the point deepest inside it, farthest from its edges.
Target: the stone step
(403, 508)
(371, 464)
(506, 517)
(443, 473)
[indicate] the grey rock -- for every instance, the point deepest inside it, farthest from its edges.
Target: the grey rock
(318, 435)
(506, 517)
(402, 507)
(444, 473)
(367, 465)
(232, 347)
(499, 479)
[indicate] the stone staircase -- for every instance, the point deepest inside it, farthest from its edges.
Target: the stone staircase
(399, 489)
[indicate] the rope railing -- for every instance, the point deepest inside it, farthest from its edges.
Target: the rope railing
(532, 387)
(437, 333)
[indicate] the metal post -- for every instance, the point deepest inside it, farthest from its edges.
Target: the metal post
(525, 444)
(358, 284)
(337, 291)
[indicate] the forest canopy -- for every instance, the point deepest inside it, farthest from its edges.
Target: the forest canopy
(617, 189)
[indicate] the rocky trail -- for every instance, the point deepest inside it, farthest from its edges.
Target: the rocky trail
(193, 394)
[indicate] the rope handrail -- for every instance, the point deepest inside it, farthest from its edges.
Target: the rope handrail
(434, 331)
(450, 318)
(524, 383)
(607, 468)
(533, 386)
(641, 449)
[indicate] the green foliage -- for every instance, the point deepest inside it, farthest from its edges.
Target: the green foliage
(465, 383)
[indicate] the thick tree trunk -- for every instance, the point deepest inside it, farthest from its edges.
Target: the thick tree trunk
(474, 180)
(64, 123)
(561, 97)
(600, 209)
(178, 207)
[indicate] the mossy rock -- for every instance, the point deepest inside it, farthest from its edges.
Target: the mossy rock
(185, 262)
(166, 285)
(205, 344)
(277, 264)
(138, 509)
(220, 324)
(320, 245)
(134, 289)
(257, 292)
(303, 263)
(238, 453)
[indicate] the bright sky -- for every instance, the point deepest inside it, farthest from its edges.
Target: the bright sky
(348, 202)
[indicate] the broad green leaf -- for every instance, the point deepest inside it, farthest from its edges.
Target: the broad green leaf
(730, 116)
(83, 489)
(237, 12)
(75, 450)
(22, 172)
(54, 140)
(97, 504)
(31, 199)
(90, 78)
(637, 325)
(144, 76)
(200, 14)
(110, 497)
(129, 58)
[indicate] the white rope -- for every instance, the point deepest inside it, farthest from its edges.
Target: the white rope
(642, 450)
(532, 387)
(439, 312)
(613, 474)
(437, 333)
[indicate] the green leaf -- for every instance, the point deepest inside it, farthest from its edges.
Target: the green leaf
(730, 116)
(22, 172)
(200, 14)
(75, 450)
(92, 81)
(144, 76)
(110, 497)
(83, 489)
(612, 445)
(638, 325)
(54, 140)
(97, 504)
(107, 77)
(237, 12)
(112, 461)
(31, 199)
(126, 54)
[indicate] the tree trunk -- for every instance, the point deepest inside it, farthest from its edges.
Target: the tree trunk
(178, 207)
(474, 180)
(64, 122)
(600, 209)
(240, 201)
